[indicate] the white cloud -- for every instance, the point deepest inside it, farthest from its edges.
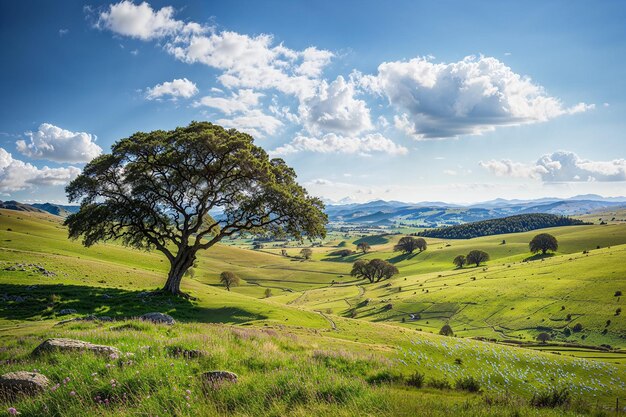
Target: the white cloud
(332, 143)
(140, 21)
(241, 101)
(254, 122)
(63, 32)
(174, 89)
(450, 172)
(246, 61)
(55, 144)
(561, 166)
(508, 168)
(468, 97)
(16, 175)
(334, 109)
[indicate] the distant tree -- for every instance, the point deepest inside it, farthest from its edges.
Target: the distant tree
(229, 279)
(446, 330)
(363, 247)
(283, 252)
(342, 244)
(268, 293)
(477, 257)
(543, 242)
(306, 253)
(374, 270)
(459, 261)
(577, 328)
(503, 242)
(155, 191)
(409, 244)
(618, 293)
(543, 337)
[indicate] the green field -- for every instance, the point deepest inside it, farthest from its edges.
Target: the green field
(322, 343)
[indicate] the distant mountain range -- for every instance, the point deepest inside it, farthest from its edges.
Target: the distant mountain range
(434, 214)
(427, 213)
(56, 209)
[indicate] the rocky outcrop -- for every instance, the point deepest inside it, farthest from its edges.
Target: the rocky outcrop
(158, 318)
(71, 345)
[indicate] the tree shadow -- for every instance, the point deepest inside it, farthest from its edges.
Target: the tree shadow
(538, 256)
(372, 240)
(403, 257)
(37, 302)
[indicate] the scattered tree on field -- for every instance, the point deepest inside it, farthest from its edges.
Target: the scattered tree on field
(268, 293)
(477, 257)
(306, 253)
(543, 337)
(543, 242)
(446, 330)
(409, 244)
(363, 247)
(155, 191)
(459, 261)
(374, 270)
(283, 252)
(229, 279)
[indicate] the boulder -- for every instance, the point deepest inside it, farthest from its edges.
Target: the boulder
(22, 383)
(214, 378)
(158, 318)
(71, 345)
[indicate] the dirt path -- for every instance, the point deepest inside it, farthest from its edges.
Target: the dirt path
(332, 323)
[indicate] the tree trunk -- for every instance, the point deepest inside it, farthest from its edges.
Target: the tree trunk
(182, 262)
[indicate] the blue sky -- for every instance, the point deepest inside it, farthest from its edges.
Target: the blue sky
(456, 101)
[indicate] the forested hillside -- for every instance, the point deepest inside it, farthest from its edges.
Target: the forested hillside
(512, 224)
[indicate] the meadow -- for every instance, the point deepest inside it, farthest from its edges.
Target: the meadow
(322, 343)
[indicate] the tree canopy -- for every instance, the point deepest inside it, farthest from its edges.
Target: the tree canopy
(363, 247)
(306, 253)
(543, 242)
(374, 270)
(156, 191)
(408, 244)
(477, 257)
(459, 261)
(229, 279)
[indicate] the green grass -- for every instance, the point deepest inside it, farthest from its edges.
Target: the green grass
(296, 352)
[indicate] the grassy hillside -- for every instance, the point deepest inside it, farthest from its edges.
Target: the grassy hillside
(313, 360)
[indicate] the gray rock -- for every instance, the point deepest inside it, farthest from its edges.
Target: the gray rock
(67, 311)
(216, 378)
(71, 345)
(158, 318)
(22, 383)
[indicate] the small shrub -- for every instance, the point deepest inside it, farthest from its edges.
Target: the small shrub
(468, 383)
(439, 383)
(384, 377)
(618, 293)
(618, 311)
(446, 330)
(551, 398)
(416, 380)
(577, 328)
(567, 332)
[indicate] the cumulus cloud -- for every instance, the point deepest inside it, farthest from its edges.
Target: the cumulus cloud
(141, 21)
(561, 166)
(332, 143)
(335, 109)
(16, 175)
(173, 89)
(239, 102)
(253, 122)
(245, 61)
(55, 144)
(468, 97)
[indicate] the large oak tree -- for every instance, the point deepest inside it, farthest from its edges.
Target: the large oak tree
(156, 191)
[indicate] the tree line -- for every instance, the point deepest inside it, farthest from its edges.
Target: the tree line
(512, 224)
